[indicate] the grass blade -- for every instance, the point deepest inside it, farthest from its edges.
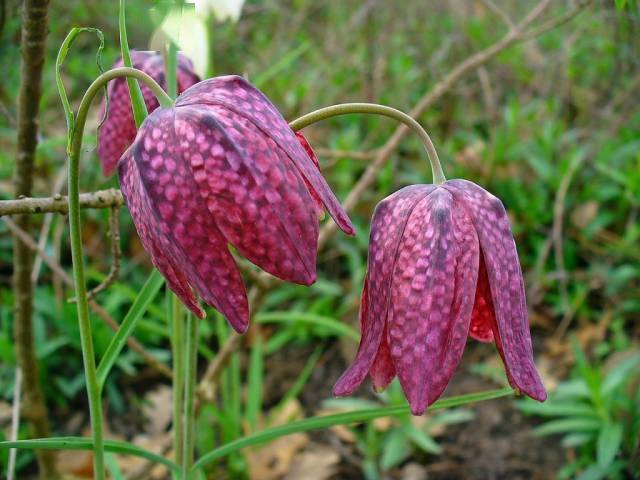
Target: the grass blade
(325, 421)
(139, 307)
(332, 324)
(84, 443)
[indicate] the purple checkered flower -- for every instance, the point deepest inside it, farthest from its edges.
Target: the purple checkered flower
(223, 167)
(442, 266)
(119, 128)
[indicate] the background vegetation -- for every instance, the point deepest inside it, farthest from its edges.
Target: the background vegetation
(551, 126)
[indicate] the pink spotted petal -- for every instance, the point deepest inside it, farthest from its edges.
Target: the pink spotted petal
(164, 253)
(183, 220)
(387, 227)
(312, 156)
(260, 204)
(119, 130)
(432, 296)
(383, 369)
(506, 284)
(482, 319)
(238, 95)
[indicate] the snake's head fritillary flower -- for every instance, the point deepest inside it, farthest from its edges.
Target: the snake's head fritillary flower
(223, 167)
(119, 129)
(442, 266)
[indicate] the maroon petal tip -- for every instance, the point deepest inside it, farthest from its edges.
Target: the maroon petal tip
(343, 388)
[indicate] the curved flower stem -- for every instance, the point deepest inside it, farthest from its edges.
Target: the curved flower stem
(373, 108)
(88, 354)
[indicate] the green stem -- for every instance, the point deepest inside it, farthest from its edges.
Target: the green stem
(137, 100)
(191, 369)
(375, 109)
(171, 65)
(178, 354)
(88, 354)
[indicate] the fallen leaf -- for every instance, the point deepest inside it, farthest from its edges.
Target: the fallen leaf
(158, 410)
(317, 462)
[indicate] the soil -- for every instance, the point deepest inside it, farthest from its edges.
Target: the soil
(497, 444)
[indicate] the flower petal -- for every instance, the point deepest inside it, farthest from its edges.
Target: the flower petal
(119, 129)
(506, 284)
(183, 219)
(482, 318)
(260, 204)
(312, 155)
(238, 95)
(432, 296)
(383, 369)
(387, 227)
(164, 253)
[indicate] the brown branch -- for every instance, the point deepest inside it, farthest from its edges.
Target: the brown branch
(32, 45)
(60, 204)
(136, 346)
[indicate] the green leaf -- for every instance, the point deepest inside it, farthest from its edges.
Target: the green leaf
(83, 443)
(329, 323)
(594, 472)
(568, 425)
(619, 374)
(396, 448)
(137, 100)
(553, 409)
(575, 439)
(113, 467)
(316, 423)
(620, 4)
(422, 440)
(135, 313)
(254, 384)
(609, 441)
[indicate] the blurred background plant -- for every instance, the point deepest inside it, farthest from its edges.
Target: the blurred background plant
(550, 126)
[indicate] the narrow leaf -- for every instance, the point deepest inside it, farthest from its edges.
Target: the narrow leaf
(320, 422)
(83, 443)
(329, 323)
(609, 441)
(568, 425)
(135, 313)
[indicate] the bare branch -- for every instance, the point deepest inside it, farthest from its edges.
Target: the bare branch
(60, 204)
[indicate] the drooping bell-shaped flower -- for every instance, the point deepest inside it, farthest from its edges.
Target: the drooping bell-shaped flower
(119, 128)
(442, 266)
(223, 167)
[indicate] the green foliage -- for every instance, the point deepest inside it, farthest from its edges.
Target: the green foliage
(387, 447)
(598, 413)
(563, 111)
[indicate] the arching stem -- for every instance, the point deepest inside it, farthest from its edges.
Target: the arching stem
(88, 353)
(373, 108)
